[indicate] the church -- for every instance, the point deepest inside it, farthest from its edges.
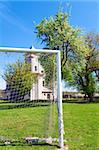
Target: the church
(39, 90)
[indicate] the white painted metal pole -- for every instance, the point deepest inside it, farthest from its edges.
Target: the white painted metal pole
(59, 102)
(31, 92)
(59, 91)
(11, 49)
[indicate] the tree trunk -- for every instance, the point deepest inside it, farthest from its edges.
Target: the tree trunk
(90, 97)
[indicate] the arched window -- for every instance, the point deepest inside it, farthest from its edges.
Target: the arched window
(35, 68)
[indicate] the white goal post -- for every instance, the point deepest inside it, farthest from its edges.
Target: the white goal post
(59, 89)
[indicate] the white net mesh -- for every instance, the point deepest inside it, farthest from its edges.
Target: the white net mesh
(28, 95)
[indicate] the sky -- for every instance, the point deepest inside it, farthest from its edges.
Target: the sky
(18, 19)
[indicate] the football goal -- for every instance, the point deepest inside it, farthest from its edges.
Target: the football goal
(30, 96)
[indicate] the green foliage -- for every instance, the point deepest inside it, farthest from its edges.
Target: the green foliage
(67, 72)
(79, 54)
(85, 82)
(86, 74)
(57, 33)
(97, 88)
(19, 78)
(92, 40)
(56, 30)
(49, 64)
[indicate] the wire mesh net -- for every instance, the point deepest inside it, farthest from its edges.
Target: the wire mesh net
(28, 96)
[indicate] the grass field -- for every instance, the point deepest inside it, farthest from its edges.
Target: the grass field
(81, 125)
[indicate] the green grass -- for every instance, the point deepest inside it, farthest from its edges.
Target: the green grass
(81, 125)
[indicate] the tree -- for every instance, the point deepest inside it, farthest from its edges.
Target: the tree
(84, 80)
(86, 75)
(57, 33)
(78, 54)
(92, 40)
(19, 79)
(49, 64)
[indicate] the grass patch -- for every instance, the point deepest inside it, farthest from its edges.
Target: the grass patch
(81, 125)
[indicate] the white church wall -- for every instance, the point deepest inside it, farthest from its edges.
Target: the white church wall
(39, 91)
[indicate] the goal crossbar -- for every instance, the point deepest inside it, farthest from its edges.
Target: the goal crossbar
(59, 89)
(33, 50)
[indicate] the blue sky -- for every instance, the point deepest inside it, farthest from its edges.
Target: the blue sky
(18, 19)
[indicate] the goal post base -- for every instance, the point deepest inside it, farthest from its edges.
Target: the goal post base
(49, 140)
(65, 147)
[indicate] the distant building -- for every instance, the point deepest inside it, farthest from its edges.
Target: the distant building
(77, 95)
(39, 90)
(73, 95)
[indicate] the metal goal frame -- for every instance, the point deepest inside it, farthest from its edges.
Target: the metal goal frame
(59, 89)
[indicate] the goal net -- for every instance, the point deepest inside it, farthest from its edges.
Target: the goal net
(28, 97)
